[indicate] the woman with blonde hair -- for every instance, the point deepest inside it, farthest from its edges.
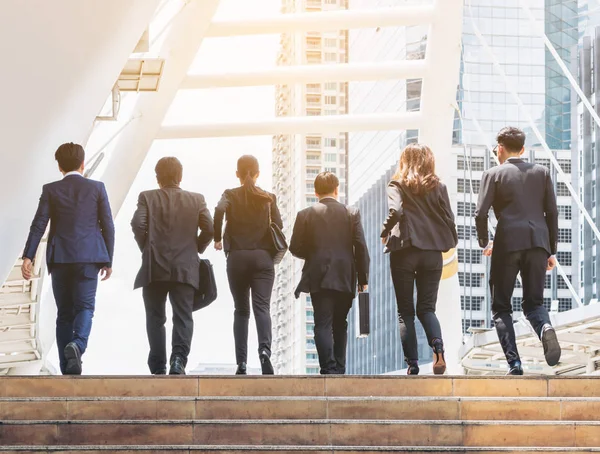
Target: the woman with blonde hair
(420, 226)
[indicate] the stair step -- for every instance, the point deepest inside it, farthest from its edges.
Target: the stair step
(193, 386)
(304, 432)
(289, 449)
(379, 408)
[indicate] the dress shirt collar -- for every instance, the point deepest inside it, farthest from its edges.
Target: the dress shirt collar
(74, 172)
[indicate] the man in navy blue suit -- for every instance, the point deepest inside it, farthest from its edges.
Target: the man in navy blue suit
(80, 246)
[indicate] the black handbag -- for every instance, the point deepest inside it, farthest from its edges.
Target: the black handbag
(280, 245)
(207, 290)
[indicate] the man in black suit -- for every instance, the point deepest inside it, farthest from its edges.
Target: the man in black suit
(522, 195)
(330, 238)
(165, 226)
(80, 246)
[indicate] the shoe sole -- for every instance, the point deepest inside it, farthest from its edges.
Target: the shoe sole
(552, 349)
(266, 366)
(73, 361)
(439, 367)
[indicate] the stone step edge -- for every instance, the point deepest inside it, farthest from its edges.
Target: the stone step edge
(447, 422)
(328, 448)
(300, 399)
(299, 377)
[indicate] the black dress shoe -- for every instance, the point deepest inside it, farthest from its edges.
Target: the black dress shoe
(177, 366)
(551, 346)
(73, 357)
(241, 369)
(160, 372)
(265, 363)
(515, 369)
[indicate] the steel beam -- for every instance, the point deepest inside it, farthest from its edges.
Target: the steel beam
(296, 125)
(304, 74)
(324, 21)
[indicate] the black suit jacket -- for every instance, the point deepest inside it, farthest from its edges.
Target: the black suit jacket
(424, 221)
(247, 225)
(330, 239)
(522, 195)
(165, 226)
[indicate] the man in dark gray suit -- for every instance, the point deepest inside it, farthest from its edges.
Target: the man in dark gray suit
(165, 226)
(522, 195)
(330, 238)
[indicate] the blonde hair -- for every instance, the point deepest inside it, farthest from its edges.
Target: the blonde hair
(416, 169)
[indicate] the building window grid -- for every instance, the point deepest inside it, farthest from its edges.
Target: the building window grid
(561, 283)
(466, 209)
(475, 163)
(466, 232)
(564, 258)
(471, 303)
(564, 212)
(470, 279)
(564, 235)
(469, 256)
(464, 187)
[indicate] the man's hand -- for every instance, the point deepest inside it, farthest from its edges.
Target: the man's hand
(551, 263)
(219, 246)
(27, 269)
(363, 288)
(105, 273)
(488, 249)
(385, 239)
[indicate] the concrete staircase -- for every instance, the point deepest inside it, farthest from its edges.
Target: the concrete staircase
(299, 414)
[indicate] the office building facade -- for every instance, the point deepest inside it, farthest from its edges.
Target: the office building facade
(485, 105)
(585, 160)
(297, 160)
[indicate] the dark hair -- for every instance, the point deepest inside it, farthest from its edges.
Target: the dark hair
(511, 138)
(247, 169)
(416, 169)
(70, 156)
(169, 171)
(325, 183)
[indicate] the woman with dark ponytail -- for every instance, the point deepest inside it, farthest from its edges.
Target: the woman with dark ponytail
(249, 247)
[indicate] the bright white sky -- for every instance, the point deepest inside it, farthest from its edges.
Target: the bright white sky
(118, 343)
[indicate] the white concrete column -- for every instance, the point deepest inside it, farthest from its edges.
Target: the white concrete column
(60, 61)
(437, 100)
(179, 49)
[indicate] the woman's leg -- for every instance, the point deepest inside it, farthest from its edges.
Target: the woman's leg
(263, 277)
(403, 277)
(239, 284)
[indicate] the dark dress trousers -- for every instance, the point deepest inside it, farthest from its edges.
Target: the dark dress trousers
(419, 228)
(250, 269)
(80, 242)
(523, 199)
(165, 226)
(330, 238)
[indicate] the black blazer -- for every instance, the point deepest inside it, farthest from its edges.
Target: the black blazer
(165, 226)
(522, 195)
(330, 239)
(247, 225)
(424, 221)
